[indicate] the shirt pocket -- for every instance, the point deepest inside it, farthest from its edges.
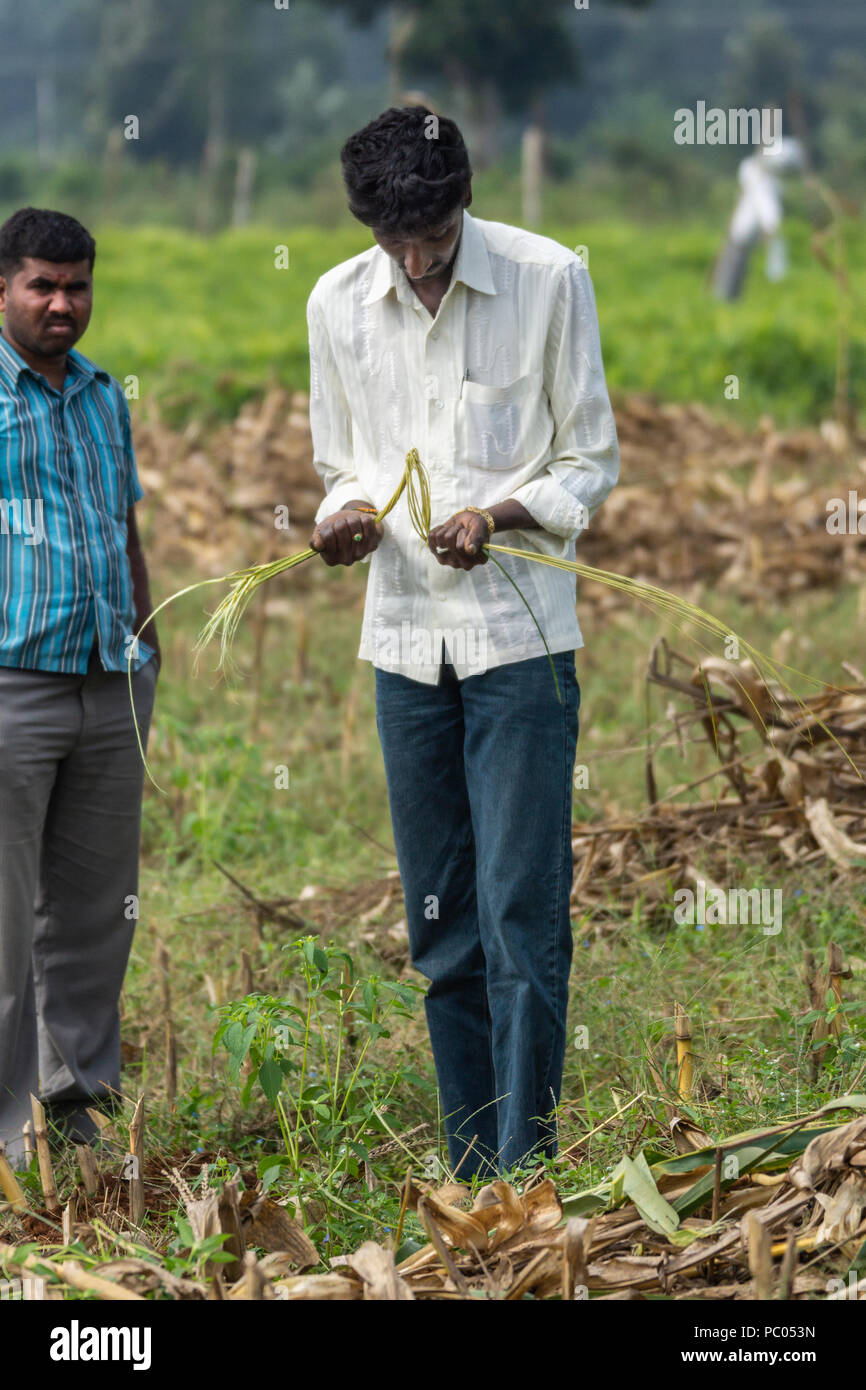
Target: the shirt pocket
(501, 427)
(111, 480)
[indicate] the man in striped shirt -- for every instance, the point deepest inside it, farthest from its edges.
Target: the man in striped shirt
(478, 344)
(73, 595)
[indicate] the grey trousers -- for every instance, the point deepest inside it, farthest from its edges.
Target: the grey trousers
(71, 780)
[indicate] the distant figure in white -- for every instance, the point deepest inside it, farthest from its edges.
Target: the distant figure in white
(757, 217)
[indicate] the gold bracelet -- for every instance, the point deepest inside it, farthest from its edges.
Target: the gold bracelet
(479, 511)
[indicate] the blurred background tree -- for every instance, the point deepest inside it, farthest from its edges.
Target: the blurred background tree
(242, 106)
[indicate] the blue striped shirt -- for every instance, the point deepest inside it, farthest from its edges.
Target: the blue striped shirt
(67, 477)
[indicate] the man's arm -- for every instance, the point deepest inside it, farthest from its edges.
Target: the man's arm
(584, 464)
(337, 521)
(140, 584)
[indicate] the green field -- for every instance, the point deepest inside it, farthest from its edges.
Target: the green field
(207, 323)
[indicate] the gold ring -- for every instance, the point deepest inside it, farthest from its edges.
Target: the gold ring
(357, 536)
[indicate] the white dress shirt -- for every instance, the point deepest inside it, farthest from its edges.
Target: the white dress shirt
(503, 394)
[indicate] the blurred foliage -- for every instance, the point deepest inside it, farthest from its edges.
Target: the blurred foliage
(765, 61)
(208, 80)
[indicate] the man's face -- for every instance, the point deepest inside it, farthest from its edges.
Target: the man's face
(428, 255)
(46, 305)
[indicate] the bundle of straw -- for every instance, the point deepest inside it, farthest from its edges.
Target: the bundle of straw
(225, 620)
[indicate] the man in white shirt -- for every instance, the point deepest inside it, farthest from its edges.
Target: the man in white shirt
(476, 343)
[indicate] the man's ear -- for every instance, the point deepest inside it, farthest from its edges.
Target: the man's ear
(467, 197)
(2, 293)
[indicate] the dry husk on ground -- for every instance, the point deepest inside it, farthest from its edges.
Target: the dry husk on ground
(792, 791)
(640, 1231)
(776, 1213)
(698, 501)
(211, 494)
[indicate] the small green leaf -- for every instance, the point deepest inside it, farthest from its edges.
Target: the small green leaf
(232, 1038)
(271, 1079)
(269, 1172)
(639, 1185)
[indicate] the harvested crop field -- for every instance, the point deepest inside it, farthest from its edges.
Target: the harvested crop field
(676, 1177)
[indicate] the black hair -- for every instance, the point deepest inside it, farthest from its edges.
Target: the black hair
(44, 235)
(406, 171)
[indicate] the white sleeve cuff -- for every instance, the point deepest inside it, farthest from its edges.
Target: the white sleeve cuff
(552, 507)
(340, 494)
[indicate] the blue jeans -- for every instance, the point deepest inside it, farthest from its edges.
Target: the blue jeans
(479, 776)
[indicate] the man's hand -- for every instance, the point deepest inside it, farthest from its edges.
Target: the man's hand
(457, 543)
(334, 537)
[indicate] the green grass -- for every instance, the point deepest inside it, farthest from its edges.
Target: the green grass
(207, 323)
(742, 988)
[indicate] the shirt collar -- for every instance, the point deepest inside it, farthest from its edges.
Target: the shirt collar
(472, 266)
(77, 365)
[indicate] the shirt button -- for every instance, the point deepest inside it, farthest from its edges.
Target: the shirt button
(435, 333)
(440, 405)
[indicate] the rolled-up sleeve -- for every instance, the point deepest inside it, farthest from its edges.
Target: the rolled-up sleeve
(584, 466)
(330, 419)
